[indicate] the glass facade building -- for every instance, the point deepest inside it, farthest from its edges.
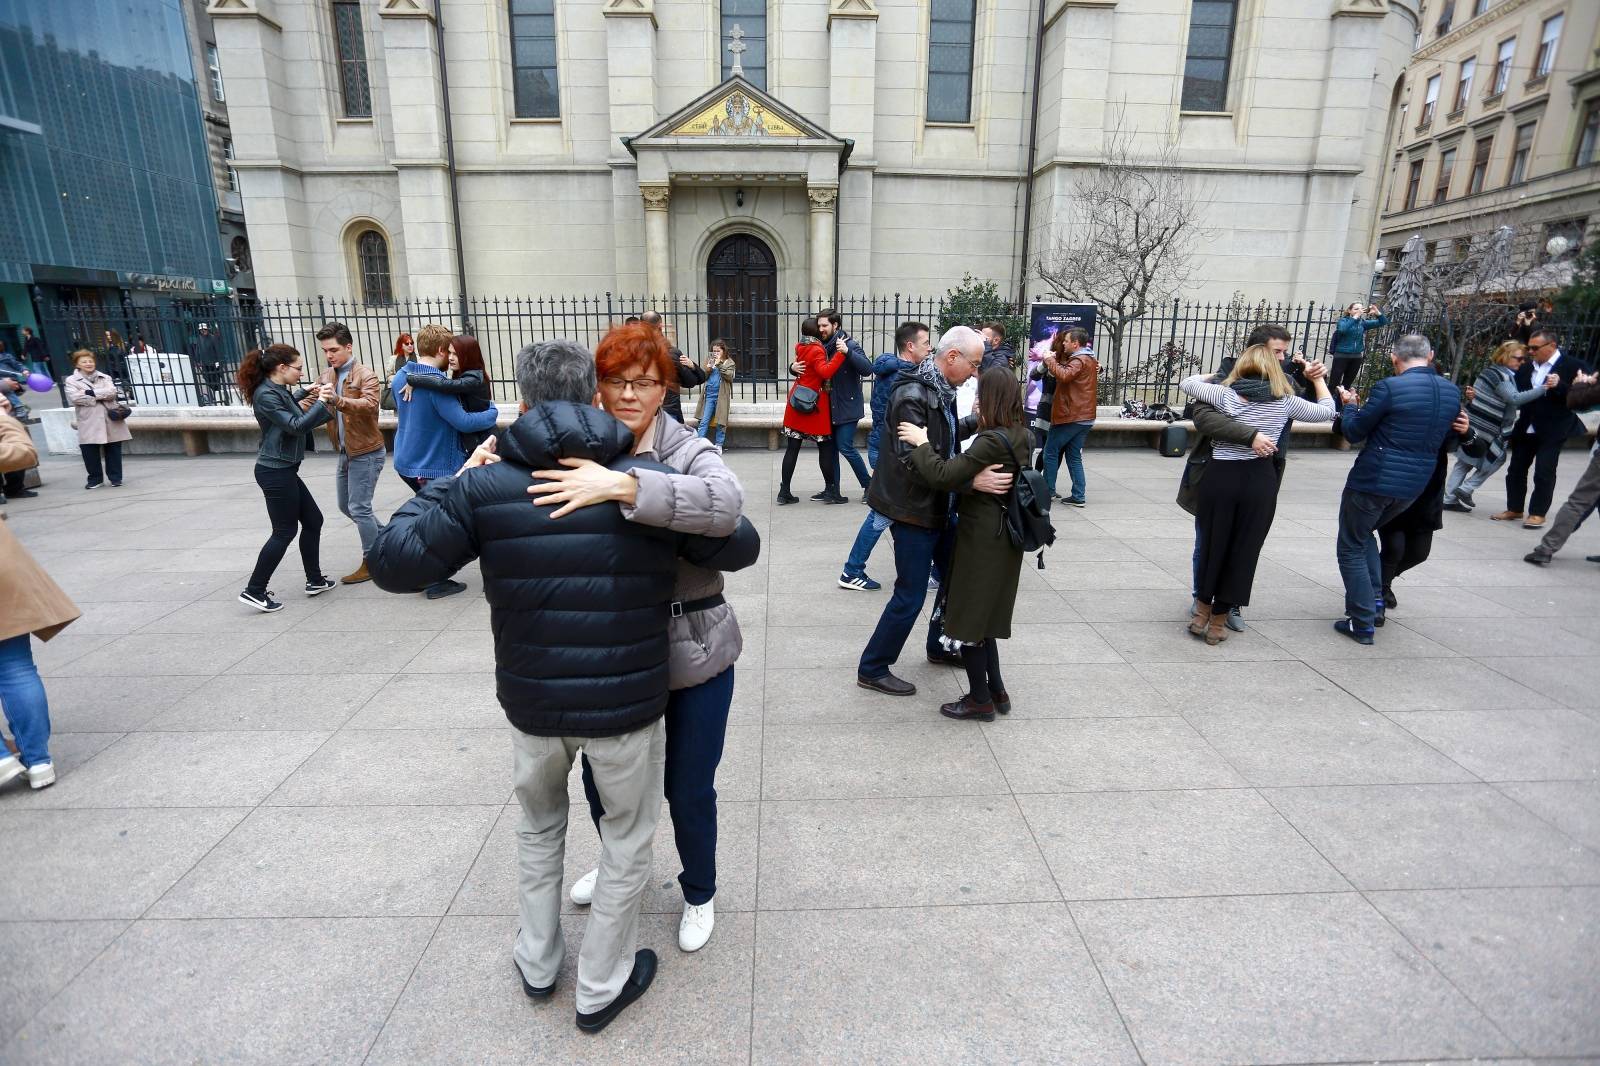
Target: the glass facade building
(106, 195)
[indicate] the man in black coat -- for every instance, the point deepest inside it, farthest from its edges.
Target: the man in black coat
(689, 375)
(845, 402)
(579, 607)
(997, 351)
(1542, 429)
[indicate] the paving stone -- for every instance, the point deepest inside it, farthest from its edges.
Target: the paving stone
(1171, 642)
(942, 758)
(255, 701)
(1571, 806)
(403, 766)
(925, 967)
(1080, 690)
(236, 991)
(1505, 745)
(1428, 684)
(41, 957)
(1555, 678)
(86, 704)
(1302, 978)
(1094, 754)
(1433, 836)
(1526, 956)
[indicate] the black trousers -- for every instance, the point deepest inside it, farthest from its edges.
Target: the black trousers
(1541, 453)
(291, 509)
(1343, 372)
(1400, 550)
(827, 461)
(1238, 500)
(113, 462)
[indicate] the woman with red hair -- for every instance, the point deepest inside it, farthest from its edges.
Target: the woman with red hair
(468, 381)
(701, 495)
(806, 415)
(404, 346)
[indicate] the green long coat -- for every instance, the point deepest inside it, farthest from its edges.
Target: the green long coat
(986, 568)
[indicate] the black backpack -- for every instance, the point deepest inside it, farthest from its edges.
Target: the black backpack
(1027, 511)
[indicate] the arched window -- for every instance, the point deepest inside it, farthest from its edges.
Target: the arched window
(372, 259)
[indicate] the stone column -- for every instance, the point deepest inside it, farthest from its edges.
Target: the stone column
(824, 201)
(411, 61)
(657, 240)
(852, 113)
(262, 113)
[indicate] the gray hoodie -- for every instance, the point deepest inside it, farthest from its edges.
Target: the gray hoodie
(703, 497)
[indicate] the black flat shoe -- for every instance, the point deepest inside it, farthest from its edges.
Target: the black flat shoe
(534, 993)
(967, 708)
(888, 684)
(786, 498)
(1002, 701)
(644, 971)
(945, 658)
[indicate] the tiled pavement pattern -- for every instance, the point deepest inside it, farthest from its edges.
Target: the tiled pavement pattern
(288, 839)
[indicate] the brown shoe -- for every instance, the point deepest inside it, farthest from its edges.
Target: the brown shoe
(1217, 628)
(1200, 619)
(1535, 521)
(968, 708)
(1505, 516)
(358, 577)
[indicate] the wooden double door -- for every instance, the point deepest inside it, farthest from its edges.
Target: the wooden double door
(742, 306)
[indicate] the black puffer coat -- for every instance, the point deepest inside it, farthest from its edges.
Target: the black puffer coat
(578, 605)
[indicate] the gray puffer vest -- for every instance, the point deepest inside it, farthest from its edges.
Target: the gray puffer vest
(704, 497)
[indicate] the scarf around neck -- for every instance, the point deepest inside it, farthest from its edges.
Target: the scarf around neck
(929, 374)
(1256, 390)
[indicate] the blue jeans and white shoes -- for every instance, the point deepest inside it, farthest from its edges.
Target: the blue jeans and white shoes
(27, 713)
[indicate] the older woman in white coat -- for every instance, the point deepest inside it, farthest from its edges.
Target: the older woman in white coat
(93, 396)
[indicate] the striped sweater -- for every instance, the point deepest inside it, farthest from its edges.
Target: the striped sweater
(1267, 417)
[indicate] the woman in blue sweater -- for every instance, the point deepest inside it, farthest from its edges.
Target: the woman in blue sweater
(1349, 344)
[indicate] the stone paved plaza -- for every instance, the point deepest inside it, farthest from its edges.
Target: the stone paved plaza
(288, 839)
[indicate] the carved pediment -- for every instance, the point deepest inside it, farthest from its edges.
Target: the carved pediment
(737, 111)
(1370, 8)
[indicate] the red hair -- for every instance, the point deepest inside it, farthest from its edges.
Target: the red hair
(468, 355)
(404, 338)
(636, 344)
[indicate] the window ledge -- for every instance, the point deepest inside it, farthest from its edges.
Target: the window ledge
(1422, 127)
(1205, 114)
(1493, 99)
(1537, 80)
(353, 121)
(554, 120)
(1457, 113)
(931, 124)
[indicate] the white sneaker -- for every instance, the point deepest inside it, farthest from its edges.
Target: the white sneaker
(583, 888)
(695, 928)
(41, 775)
(10, 769)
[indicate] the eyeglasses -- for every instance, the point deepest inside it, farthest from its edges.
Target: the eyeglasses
(639, 384)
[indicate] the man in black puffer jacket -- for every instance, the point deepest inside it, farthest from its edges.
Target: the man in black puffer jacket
(579, 607)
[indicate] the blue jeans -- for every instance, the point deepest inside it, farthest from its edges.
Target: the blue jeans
(22, 696)
(873, 437)
(1360, 564)
(872, 528)
(697, 724)
(1194, 565)
(706, 428)
(1069, 436)
(844, 439)
(917, 551)
(354, 483)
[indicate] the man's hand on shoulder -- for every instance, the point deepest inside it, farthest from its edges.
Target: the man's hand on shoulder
(993, 480)
(582, 483)
(482, 455)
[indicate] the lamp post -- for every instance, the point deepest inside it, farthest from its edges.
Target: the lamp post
(1377, 272)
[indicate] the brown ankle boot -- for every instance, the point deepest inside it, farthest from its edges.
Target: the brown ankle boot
(358, 577)
(1217, 628)
(1201, 619)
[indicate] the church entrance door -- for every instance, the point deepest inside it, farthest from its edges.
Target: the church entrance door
(742, 287)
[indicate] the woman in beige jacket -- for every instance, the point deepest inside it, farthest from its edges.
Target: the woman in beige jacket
(93, 395)
(30, 603)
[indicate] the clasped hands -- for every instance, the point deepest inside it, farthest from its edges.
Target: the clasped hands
(580, 483)
(991, 479)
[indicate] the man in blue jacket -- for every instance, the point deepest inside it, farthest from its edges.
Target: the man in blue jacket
(1404, 423)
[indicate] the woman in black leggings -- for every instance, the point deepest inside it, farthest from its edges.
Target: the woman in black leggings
(265, 380)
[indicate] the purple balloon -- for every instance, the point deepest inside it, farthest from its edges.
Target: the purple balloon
(40, 382)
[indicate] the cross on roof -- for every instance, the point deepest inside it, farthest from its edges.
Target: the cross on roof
(737, 47)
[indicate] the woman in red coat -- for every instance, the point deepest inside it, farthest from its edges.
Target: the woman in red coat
(815, 424)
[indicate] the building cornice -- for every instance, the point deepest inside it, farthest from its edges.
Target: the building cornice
(260, 10)
(1469, 28)
(1294, 170)
(1361, 9)
(852, 9)
(622, 9)
(1054, 9)
(407, 9)
(1556, 185)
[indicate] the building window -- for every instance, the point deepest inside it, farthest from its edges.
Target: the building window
(1502, 66)
(1479, 7)
(214, 65)
(1430, 102)
(1464, 86)
(1480, 165)
(533, 59)
(1205, 68)
(1588, 135)
(1413, 184)
(750, 17)
(372, 259)
(1549, 40)
(1447, 15)
(227, 155)
(1519, 154)
(354, 89)
(1447, 170)
(950, 38)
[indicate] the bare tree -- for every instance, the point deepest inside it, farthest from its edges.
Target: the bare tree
(1129, 241)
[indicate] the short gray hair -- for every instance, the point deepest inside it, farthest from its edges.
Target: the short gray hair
(1413, 348)
(561, 370)
(964, 338)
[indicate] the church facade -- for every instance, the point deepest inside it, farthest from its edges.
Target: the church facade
(797, 148)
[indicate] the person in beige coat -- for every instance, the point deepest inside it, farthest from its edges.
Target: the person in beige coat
(717, 395)
(93, 396)
(30, 604)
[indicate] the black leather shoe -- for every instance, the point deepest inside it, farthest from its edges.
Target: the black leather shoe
(25, 494)
(834, 497)
(944, 658)
(1002, 701)
(888, 684)
(1591, 558)
(968, 708)
(786, 498)
(535, 993)
(644, 971)
(822, 497)
(1538, 560)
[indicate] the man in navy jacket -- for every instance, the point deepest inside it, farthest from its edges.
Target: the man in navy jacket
(1404, 423)
(846, 401)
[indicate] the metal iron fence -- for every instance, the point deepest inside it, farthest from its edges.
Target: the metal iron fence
(176, 366)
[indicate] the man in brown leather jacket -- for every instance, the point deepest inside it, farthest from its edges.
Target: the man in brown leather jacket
(1072, 410)
(352, 389)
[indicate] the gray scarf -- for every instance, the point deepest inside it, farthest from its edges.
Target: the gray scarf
(1256, 390)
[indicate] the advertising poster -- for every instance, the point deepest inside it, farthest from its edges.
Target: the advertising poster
(1044, 322)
